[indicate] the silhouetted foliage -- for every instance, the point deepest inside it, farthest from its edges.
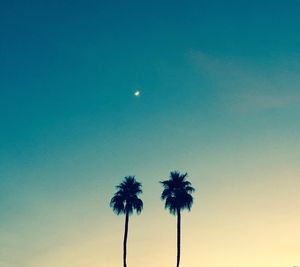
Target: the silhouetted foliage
(126, 201)
(177, 195)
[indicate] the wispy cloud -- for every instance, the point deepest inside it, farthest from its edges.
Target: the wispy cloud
(270, 101)
(245, 86)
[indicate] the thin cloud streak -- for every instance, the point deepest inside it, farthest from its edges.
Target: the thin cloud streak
(246, 87)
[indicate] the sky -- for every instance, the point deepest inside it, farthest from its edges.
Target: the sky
(220, 99)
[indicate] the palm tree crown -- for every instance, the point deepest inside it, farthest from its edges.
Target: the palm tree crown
(177, 192)
(126, 200)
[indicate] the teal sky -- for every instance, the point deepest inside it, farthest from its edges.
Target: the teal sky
(220, 99)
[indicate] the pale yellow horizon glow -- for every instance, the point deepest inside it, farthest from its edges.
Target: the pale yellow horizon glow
(252, 225)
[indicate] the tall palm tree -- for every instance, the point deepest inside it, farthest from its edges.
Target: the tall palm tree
(125, 201)
(177, 195)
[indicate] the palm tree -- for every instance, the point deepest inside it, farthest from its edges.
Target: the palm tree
(125, 201)
(177, 195)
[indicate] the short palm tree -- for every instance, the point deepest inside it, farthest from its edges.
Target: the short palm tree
(177, 195)
(125, 201)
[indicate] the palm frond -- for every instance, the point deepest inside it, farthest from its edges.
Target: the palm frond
(177, 192)
(126, 200)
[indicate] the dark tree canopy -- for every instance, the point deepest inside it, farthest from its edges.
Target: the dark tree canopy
(126, 200)
(177, 192)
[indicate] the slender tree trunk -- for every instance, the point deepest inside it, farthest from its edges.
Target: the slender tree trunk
(125, 239)
(178, 237)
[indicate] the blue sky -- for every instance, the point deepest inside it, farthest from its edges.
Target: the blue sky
(220, 99)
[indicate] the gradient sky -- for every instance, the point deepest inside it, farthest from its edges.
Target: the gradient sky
(220, 99)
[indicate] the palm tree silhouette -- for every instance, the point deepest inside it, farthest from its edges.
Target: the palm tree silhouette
(125, 201)
(177, 195)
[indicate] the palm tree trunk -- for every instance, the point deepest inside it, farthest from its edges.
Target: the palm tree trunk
(125, 239)
(178, 237)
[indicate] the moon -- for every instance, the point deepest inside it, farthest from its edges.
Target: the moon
(137, 93)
